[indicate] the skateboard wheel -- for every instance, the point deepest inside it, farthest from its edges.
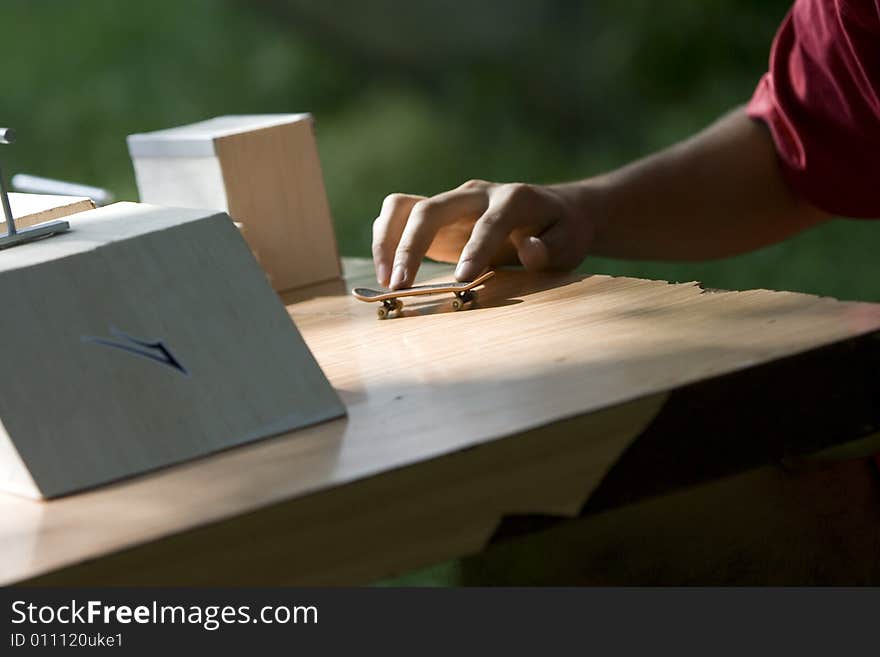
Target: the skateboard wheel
(398, 305)
(457, 304)
(381, 312)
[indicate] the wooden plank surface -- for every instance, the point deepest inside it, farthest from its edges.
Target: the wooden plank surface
(521, 405)
(767, 526)
(31, 209)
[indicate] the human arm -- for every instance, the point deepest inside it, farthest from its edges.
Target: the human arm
(716, 194)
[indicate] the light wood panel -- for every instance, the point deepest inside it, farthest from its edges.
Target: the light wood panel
(275, 188)
(387, 524)
(431, 388)
(31, 209)
(262, 169)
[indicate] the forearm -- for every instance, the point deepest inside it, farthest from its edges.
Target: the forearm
(717, 194)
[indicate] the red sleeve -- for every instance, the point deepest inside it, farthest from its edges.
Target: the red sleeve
(820, 102)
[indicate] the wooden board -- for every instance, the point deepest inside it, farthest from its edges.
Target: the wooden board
(369, 294)
(143, 337)
(767, 526)
(546, 386)
(32, 209)
(263, 170)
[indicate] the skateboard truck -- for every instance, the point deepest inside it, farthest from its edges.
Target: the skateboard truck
(462, 298)
(389, 306)
(395, 305)
(13, 236)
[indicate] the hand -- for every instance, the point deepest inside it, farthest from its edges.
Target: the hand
(480, 224)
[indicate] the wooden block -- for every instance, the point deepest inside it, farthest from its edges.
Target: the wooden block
(144, 337)
(32, 209)
(264, 171)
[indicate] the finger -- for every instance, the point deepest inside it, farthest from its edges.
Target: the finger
(554, 248)
(387, 229)
(533, 254)
(512, 213)
(487, 237)
(426, 218)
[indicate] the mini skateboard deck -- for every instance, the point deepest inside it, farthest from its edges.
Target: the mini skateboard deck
(390, 300)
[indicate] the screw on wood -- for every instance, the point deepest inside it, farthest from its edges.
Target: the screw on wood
(7, 136)
(13, 236)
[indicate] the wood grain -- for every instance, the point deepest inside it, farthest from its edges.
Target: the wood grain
(264, 170)
(31, 209)
(275, 188)
(413, 475)
(385, 524)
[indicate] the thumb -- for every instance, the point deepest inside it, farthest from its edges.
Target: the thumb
(554, 248)
(533, 254)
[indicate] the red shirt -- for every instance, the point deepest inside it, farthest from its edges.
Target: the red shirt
(821, 101)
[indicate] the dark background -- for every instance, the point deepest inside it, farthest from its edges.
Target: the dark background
(412, 96)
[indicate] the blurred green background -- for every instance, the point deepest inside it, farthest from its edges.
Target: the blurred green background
(413, 96)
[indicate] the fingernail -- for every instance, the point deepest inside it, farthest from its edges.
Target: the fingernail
(398, 276)
(382, 274)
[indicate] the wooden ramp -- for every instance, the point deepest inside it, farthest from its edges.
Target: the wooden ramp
(461, 423)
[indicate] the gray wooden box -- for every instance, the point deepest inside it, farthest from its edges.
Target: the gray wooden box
(144, 337)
